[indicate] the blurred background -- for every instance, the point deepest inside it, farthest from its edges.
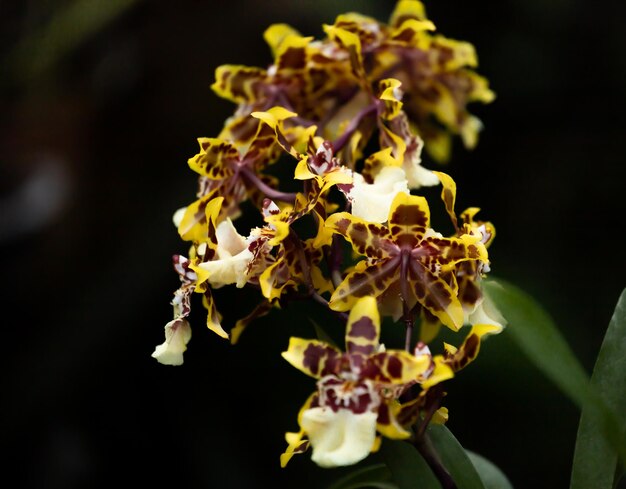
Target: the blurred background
(101, 104)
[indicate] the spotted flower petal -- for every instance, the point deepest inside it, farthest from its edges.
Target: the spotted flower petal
(314, 358)
(369, 239)
(363, 328)
(459, 358)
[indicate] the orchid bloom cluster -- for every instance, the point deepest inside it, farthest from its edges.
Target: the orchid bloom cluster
(316, 113)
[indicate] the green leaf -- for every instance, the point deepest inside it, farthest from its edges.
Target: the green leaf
(530, 326)
(595, 460)
(454, 458)
(536, 334)
(408, 469)
(375, 476)
(492, 476)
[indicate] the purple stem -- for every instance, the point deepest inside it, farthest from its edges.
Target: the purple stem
(318, 298)
(407, 315)
(428, 452)
(334, 261)
(352, 127)
(269, 192)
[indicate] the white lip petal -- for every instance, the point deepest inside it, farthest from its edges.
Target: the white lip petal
(177, 335)
(417, 175)
(372, 201)
(229, 241)
(230, 270)
(339, 438)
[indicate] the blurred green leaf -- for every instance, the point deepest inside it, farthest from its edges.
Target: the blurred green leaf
(323, 335)
(492, 476)
(530, 326)
(595, 460)
(375, 476)
(454, 458)
(536, 334)
(408, 469)
(72, 24)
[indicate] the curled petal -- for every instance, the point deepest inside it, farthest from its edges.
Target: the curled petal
(231, 258)
(239, 84)
(387, 423)
(259, 311)
(448, 195)
(441, 371)
(296, 443)
(213, 318)
(352, 44)
(391, 95)
(215, 158)
(276, 34)
(407, 9)
(177, 335)
(486, 313)
(459, 358)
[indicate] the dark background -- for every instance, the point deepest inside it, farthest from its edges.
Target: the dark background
(99, 113)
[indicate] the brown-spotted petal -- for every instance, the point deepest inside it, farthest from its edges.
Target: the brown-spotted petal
(363, 329)
(367, 238)
(436, 295)
(459, 358)
(387, 423)
(239, 84)
(448, 194)
(395, 367)
(372, 280)
(213, 319)
(215, 158)
(313, 357)
(409, 218)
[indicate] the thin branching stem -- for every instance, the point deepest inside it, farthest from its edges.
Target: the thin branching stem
(407, 314)
(268, 191)
(352, 127)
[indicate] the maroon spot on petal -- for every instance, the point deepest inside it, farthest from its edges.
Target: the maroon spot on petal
(394, 367)
(364, 328)
(383, 414)
(294, 58)
(471, 346)
(313, 355)
(408, 215)
(353, 348)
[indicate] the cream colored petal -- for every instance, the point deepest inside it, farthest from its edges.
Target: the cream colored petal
(486, 313)
(177, 335)
(230, 270)
(417, 175)
(339, 438)
(371, 201)
(177, 218)
(229, 241)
